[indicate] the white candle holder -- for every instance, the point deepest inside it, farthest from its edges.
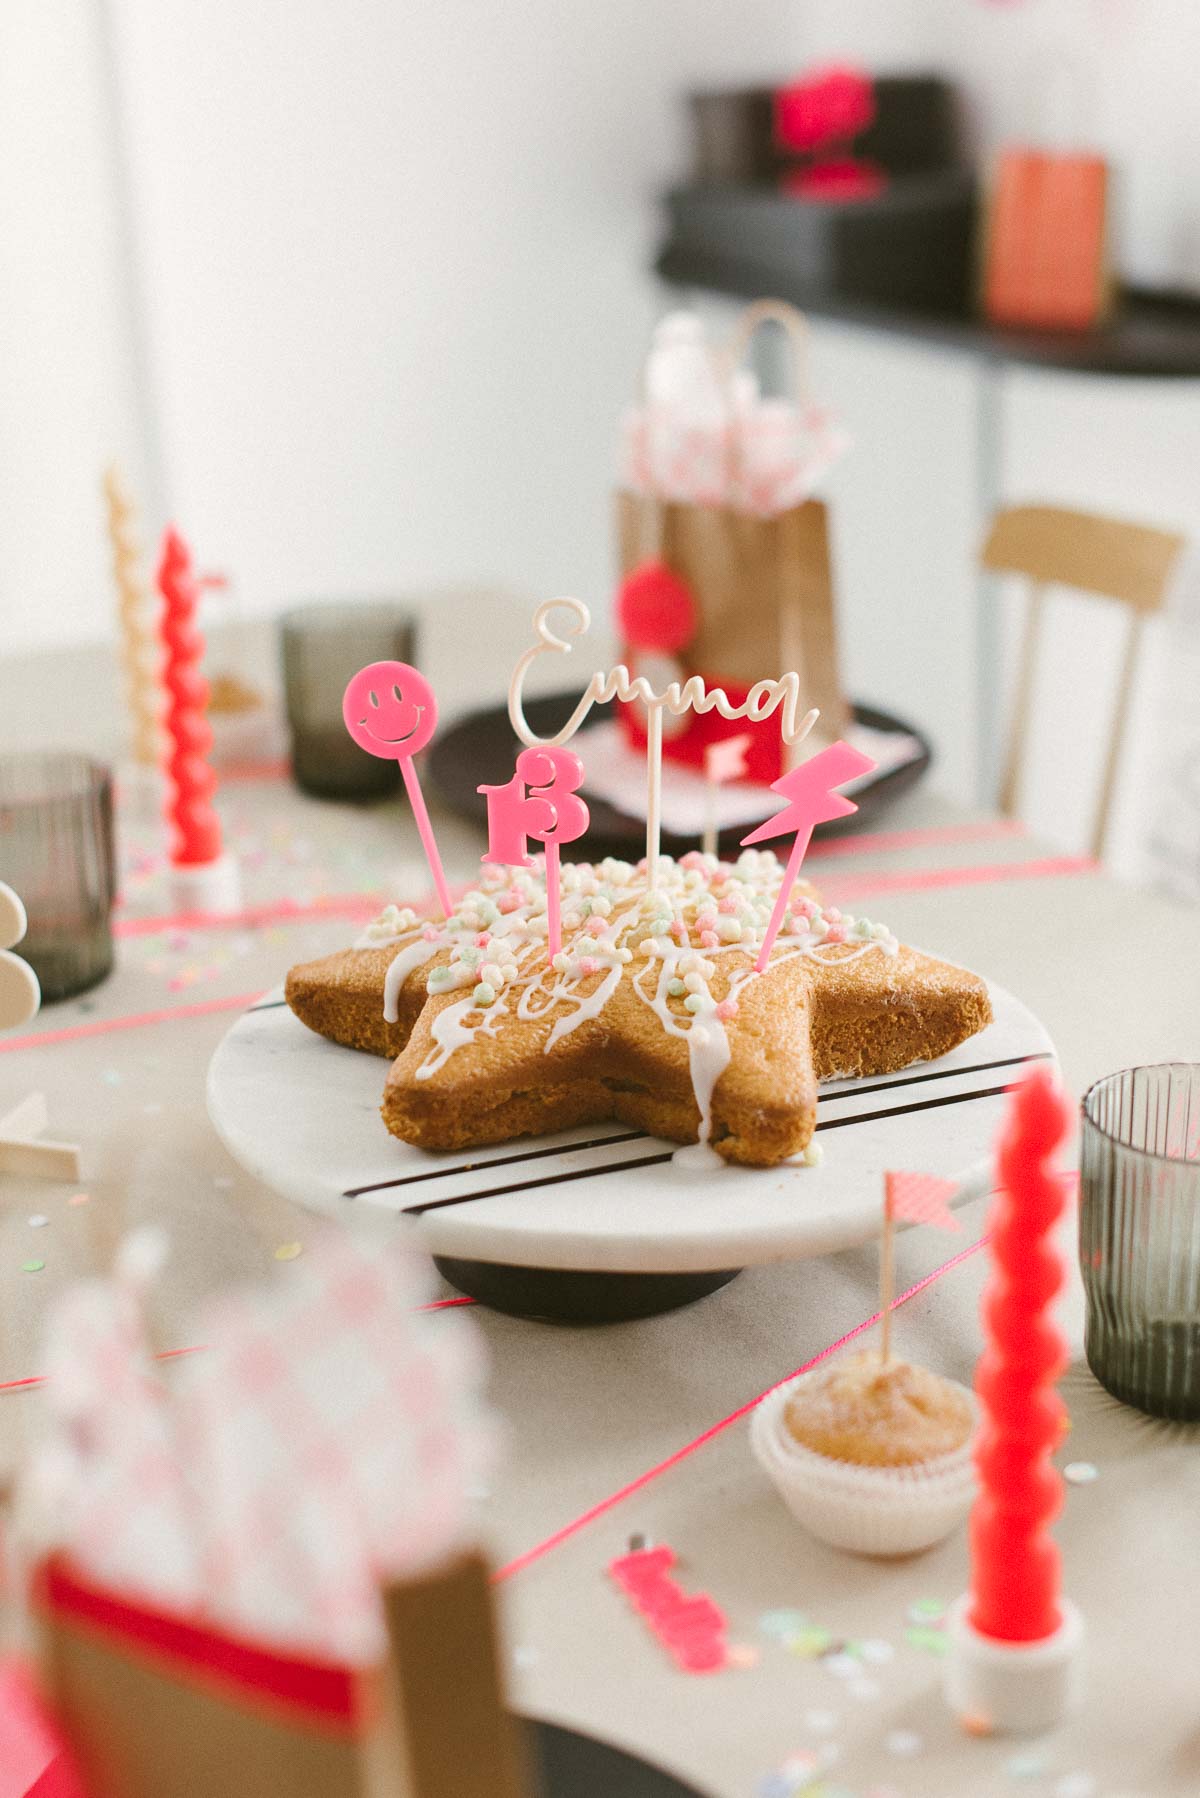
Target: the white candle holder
(214, 887)
(1017, 1688)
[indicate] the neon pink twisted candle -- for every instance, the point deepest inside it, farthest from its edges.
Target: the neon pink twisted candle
(197, 828)
(1015, 1561)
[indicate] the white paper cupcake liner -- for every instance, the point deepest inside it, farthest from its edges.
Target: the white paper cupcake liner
(868, 1510)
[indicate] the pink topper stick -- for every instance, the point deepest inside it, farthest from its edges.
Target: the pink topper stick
(809, 788)
(390, 711)
(551, 812)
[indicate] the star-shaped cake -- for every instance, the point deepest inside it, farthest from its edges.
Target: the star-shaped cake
(651, 1014)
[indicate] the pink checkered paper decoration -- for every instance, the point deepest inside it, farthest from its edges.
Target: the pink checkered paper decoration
(336, 1433)
(106, 1478)
(920, 1199)
(326, 1441)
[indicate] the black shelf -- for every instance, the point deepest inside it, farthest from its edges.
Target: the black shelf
(1149, 335)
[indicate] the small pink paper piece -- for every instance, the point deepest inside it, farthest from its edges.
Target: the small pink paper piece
(694, 1631)
(726, 759)
(540, 801)
(920, 1199)
(812, 801)
(390, 711)
(34, 1759)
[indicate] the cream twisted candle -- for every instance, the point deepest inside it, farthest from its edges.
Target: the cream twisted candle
(138, 654)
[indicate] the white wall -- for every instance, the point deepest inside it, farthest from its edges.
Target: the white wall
(68, 399)
(398, 262)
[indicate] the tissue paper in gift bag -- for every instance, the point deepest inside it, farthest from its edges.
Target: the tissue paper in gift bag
(718, 490)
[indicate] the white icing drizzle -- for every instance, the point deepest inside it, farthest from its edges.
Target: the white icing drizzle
(698, 911)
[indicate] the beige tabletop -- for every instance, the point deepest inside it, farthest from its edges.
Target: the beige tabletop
(620, 1431)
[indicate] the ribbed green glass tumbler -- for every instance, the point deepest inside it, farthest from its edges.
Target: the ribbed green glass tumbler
(1139, 1236)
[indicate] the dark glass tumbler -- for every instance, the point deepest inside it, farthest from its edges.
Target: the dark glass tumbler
(323, 645)
(57, 853)
(1139, 1236)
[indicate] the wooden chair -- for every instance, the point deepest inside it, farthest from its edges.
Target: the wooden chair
(1129, 563)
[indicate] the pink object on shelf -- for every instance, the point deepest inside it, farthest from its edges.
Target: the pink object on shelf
(1015, 1569)
(809, 789)
(550, 811)
(839, 178)
(390, 710)
(197, 829)
(824, 106)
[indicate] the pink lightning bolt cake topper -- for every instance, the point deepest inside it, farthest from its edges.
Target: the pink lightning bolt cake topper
(541, 802)
(809, 788)
(390, 711)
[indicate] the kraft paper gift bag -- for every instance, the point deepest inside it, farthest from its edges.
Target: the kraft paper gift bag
(724, 502)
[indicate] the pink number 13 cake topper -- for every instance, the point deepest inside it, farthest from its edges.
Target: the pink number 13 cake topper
(390, 711)
(541, 802)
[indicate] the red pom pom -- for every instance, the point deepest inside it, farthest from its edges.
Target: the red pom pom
(655, 609)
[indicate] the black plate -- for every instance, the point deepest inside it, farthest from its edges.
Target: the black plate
(481, 749)
(575, 1766)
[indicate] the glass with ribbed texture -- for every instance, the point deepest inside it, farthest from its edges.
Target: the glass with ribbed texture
(1139, 1236)
(56, 852)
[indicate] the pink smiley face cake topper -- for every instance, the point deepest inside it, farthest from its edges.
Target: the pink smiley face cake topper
(390, 711)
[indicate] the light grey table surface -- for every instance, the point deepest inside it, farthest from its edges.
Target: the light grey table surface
(590, 1411)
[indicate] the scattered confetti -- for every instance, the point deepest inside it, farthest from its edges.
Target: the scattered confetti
(874, 1649)
(782, 1624)
(927, 1610)
(32, 1267)
(974, 1725)
(933, 1641)
(636, 1543)
(525, 1657)
(1075, 1785)
(820, 1723)
(903, 1742)
(111, 1077)
(287, 1251)
(38, 1221)
(742, 1654)
(1080, 1473)
(1026, 1766)
(80, 1198)
(809, 1642)
(841, 1665)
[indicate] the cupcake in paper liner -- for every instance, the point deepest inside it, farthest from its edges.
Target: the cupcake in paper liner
(870, 1455)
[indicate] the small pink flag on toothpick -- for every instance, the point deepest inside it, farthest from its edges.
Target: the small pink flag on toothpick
(809, 789)
(541, 802)
(724, 760)
(918, 1199)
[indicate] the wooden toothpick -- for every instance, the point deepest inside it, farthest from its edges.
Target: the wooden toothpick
(887, 1272)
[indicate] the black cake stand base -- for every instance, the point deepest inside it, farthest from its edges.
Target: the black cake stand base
(563, 1295)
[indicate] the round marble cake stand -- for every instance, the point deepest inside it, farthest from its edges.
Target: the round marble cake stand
(603, 1222)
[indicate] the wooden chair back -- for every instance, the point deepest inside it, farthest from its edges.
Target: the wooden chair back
(1129, 563)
